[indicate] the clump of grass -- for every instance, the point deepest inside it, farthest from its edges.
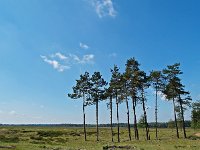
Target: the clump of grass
(91, 133)
(74, 134)
(37, 142)
(36, 138)
(9, 139)
(180, 146)
(60, 140)
(50, 133)
(117, 147)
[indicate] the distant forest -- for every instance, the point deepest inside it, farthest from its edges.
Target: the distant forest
(151, 125)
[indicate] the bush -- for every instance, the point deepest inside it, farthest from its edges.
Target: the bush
(50, 133)
(9, 139)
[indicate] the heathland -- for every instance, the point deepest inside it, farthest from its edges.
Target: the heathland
(66, 138)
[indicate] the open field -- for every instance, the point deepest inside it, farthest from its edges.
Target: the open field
(60, 138)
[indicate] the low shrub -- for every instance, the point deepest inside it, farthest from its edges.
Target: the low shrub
(50, 133)
(9, 139)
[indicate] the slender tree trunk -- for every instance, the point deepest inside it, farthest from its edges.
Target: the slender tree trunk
(111, 125)
(137, 133)
(117, 119)
(84, 117)
(182, 115)
(177, 133)
(156, 113)
(128, 120)
(135, 119)
(97, 127)
(145, 116)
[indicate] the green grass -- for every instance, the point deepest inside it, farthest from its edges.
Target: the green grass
(60, 138)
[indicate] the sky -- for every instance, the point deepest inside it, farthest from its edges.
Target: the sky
(46, 44)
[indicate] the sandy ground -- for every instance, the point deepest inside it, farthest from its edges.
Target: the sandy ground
(197, 134)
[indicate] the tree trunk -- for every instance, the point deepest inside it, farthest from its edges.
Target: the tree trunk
(137, 133)
(111, 126)
(145, 116)
(135, 119)
(117, 119)
(156, 113)
(182, 115)
(128, 120)
(97, 127)
(84, 117)
(177, 133)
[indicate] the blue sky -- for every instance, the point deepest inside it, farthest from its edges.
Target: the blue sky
(45, 45)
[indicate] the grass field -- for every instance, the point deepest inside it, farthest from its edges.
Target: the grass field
(60, 138)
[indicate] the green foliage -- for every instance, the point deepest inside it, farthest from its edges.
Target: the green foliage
(195, 117)
(174, 90)
(141, 122)
(97, 89)
(171, 124)
(82, 87)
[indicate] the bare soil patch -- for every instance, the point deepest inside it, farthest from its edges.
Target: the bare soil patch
(197, 134)
(8, 147)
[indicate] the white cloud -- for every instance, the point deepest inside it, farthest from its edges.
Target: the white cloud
(56, 65)
(74, 57)
(86, 59)
(83, 46)
(161, 95)
(60, 56)
(62, 62)
(104, 8)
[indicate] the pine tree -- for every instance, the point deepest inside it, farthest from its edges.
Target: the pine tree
(82, 90)
(97, 93)
(174, 90)
(143, 84)
(124, 97)
(109, 95)
(156, 78)
(115, 84)
(132, 84)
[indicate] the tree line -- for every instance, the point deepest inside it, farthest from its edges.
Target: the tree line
(130, 87)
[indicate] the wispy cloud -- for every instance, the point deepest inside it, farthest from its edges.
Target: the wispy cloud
(86, 59)
(59, 55)
(62, 62)
(83, 46)
(104, 8)
(56, 65)
(161, 95)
